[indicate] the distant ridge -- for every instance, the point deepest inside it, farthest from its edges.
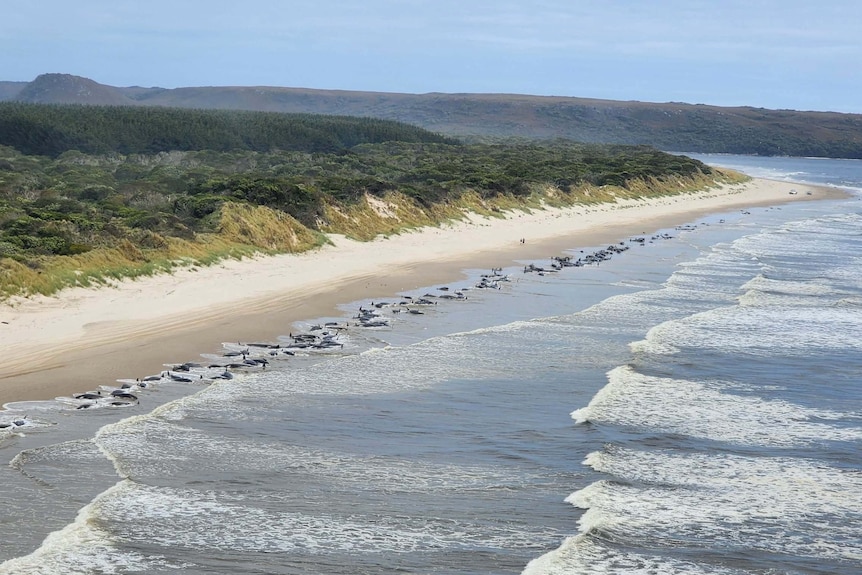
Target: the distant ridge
(68, 89)
(669, 126)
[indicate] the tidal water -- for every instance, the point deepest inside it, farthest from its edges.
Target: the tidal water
(691, 405)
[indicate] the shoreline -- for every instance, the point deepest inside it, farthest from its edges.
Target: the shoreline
(86, 337)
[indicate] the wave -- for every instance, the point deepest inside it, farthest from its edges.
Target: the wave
(82, 547)
(589, 555)
(709, 410)
(674, 496)
(688, 512)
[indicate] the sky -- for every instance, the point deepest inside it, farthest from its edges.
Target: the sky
(780, 54)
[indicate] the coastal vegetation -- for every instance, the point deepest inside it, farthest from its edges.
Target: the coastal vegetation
(69, 217)
(50, 130)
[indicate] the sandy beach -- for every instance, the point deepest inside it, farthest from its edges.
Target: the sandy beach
(83, 338)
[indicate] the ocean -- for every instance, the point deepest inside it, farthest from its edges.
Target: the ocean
(689, 404)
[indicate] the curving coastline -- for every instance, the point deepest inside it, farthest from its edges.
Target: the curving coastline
(64, 344)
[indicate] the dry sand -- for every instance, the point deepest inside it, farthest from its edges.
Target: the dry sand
(83, 338)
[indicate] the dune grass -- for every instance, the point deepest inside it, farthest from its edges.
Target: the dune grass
(245, 230)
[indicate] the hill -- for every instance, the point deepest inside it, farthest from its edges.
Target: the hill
(68, 89)
(51, 129)
(669, 126)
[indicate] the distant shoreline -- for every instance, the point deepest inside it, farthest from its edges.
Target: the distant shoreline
(83, 338)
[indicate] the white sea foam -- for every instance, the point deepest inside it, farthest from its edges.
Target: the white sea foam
(794, 292)
(77, 451)
(210, 455)
(205, 520)
(670, 405)
(24, 407)
(738, 500)
(82, 547)
(760, 330)
(585, 555)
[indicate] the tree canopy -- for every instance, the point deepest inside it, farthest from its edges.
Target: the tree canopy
(76, 202)
(50, 130)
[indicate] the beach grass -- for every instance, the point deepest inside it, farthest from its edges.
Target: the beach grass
(243, 230)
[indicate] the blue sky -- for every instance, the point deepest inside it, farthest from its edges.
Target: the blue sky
(766, 53)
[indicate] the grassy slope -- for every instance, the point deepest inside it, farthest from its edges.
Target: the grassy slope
(244, 230)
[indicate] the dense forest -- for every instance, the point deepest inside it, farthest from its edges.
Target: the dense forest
(50, 130)
(66, 216)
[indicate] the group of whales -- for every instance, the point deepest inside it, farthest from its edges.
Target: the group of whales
(240, 356)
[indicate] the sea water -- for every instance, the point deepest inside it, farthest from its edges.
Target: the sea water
(692, 405)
